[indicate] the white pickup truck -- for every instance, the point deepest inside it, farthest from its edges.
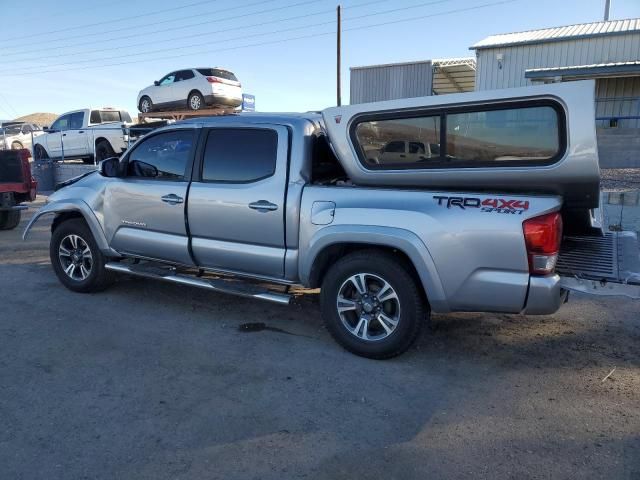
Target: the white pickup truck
(88, 134)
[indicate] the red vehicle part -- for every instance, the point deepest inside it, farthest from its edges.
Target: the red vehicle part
(15, 175)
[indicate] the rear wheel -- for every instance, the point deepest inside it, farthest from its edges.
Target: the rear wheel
(372, 305)
(76, 259)
(10, 219)
(195, 101)
(40, 153)
(145, 105)
(104, 151)
(16, 146)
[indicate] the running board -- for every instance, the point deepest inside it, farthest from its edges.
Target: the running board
(169, 274)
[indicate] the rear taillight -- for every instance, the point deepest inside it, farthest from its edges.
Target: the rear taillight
(543, 235)
(213, 80)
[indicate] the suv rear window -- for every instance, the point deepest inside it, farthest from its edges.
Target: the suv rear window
(523, 134)
(104, 116)
(216, 72)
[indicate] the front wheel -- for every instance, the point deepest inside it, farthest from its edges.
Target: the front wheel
(145, 105)
(372, 305)
(76, 259)
(16, 146)
(195, 101)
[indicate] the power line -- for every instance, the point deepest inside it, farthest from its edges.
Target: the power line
(272, 42)
(120, 29)
(226, 40)
(123, 37)
(128, 17)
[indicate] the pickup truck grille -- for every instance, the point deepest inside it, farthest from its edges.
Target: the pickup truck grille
(613, 257)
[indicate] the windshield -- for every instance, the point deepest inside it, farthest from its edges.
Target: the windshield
(216, 72)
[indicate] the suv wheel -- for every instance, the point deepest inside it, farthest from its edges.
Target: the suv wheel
(9, 219)
(372, 305)
(145, 105)
(76, 258)
(195, 101)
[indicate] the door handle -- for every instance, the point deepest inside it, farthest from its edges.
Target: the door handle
(263, 206)
(172, 199)
(80, 131)
(64, 134)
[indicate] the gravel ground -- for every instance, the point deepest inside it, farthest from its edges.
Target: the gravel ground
(620, 179)
(152, 381)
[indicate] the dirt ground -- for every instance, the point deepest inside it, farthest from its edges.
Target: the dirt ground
(153, 381)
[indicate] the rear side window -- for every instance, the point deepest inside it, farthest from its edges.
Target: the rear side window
(164, 156)
(76, 121)
(496, 136)
(239, 155)
(216, 72)
(104, 116)
(531, 134)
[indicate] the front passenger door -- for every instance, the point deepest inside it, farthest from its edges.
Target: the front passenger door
(145, 211)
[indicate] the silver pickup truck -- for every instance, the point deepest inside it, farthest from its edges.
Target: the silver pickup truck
(484, 201)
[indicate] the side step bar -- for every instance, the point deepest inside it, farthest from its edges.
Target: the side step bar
(169, 274)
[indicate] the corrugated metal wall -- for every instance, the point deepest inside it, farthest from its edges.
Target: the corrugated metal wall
(390, 82)
(587, 51)
(618, 97)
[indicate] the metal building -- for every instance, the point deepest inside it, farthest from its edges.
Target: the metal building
(413, 79)
(608, 52)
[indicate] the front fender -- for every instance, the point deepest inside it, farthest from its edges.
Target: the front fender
(74, 205)
(400, 239)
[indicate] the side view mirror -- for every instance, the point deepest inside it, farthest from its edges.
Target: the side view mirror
(142, 169)
(156, 83)
(45, 128)
(109, 167)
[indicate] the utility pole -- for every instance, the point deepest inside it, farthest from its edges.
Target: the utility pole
(338, 45)
(607, 7)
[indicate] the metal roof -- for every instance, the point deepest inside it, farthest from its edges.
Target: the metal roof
(581, 30)
(614, 69)
(454, 75)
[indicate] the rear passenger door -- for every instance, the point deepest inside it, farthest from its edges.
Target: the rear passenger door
(236, 206)
(183, 85)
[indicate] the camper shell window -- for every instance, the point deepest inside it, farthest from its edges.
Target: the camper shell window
(515, 134)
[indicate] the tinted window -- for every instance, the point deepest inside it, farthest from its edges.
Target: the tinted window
(522, 134)
(184, 75)
(103, 116)
(75, 123)
(216, 72)
(384, 142)
(239, 155)
(163, 156)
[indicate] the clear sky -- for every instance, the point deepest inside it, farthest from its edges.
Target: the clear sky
(68, 54)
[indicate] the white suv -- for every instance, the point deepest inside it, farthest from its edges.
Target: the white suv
(192, 88)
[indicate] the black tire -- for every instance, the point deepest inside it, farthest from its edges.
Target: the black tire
(142, 106)
(10, 219)
(16, 146)
(195, 101)
(40, 153)
(406, 305)
(104, 151)
(97, 278)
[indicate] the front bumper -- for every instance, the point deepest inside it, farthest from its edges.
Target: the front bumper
(545, 296)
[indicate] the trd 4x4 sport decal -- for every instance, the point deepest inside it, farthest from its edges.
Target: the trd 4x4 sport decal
(488, 205)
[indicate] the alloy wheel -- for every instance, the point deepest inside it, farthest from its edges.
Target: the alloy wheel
(75, 257)
(368, 306)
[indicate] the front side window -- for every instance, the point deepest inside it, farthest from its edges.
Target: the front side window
(402, 142)
(168, 79)
(62, 123)
(495, 136)
(240, 155)
(164, 156)
(523, 135)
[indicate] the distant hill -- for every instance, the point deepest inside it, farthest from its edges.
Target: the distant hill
(38, 118)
